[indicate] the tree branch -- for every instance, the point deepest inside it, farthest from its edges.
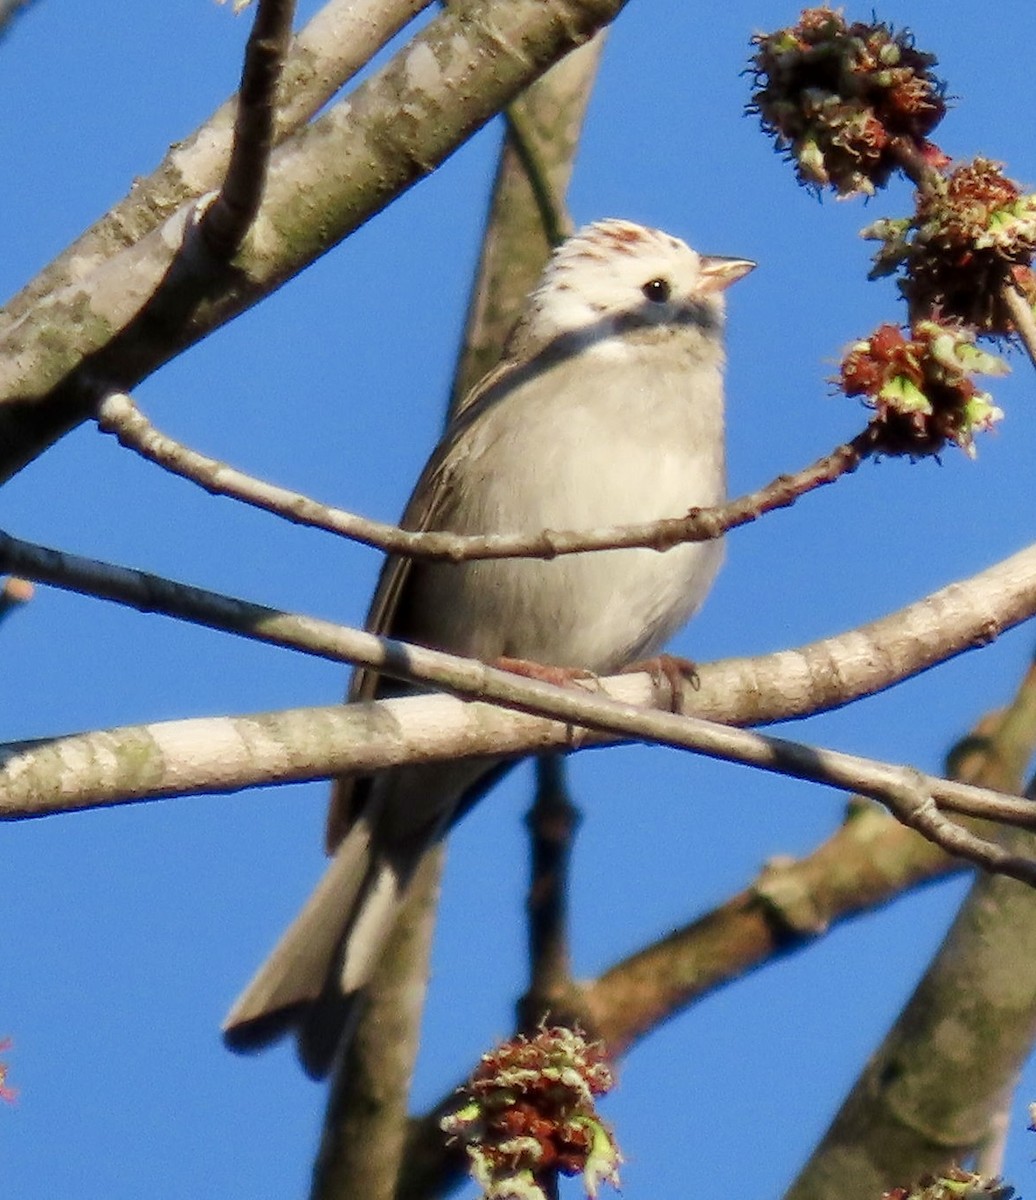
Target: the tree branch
(781, 686)
(390, 132)
(870, 860)
(229, 217)
(552, 821)
(932, 1093)
(900, 787)
(117, 414)
(365, 1126)
(1024, 321)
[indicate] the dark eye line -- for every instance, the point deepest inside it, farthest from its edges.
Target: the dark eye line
(657, 291)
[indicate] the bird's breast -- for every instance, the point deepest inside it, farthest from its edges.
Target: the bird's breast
(585, 446)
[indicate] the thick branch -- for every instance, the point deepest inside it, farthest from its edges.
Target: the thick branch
(933, 1092)
(893, 785)
(324, 182)
(365, 1126)
(870, 860)
(339, 40)
(781, 686)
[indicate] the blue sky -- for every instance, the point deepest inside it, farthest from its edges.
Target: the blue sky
(127, 933)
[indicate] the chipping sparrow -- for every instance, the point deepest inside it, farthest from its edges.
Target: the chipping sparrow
(607, 408)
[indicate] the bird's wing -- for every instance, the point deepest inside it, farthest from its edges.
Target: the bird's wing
(428, 508)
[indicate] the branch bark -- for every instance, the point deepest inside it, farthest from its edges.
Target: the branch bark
(933, 1092)
(229, 217)
(325, 181)
(869, 861)
(337, 42)
(119, 415)
(577, 707)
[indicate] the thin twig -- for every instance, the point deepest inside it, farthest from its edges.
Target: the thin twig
(887, 783)
(1023, 319)
(117, 414)
(552, 821)
(228, 218)
(867, 862)
(557, 224)
(912, 801)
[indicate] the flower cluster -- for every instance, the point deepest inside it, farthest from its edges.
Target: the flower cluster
(973, 233)
(835, 96)
(921, 388)
(954, 1184)
(531, 1113)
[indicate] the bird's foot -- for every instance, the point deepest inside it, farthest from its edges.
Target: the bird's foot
(678, 673)
(559, 676)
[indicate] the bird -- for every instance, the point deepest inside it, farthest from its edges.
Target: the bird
(606, 408)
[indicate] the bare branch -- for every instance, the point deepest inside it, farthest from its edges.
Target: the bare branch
(887, 783)
(1024, 321)
(340, 39)
(925, 1098)
(777, 687)
(552, 822)
(229, 217)
(869, 861)
(365, 1126)
(118, 414)
(9, 9)
(349, 163)
(553, 212)
(515, 245)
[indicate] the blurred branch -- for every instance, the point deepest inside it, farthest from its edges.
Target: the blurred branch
(366, 1120)
(517, 241)
(9, 9)
(337, 42)
(391, 131)
(230, 215)
(365, 1126)
(552, 821)
(933, 1093)
(117, 414)
(869, 861)
(1024, 321)
(555, 221)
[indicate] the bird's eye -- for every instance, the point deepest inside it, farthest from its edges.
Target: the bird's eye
(657, 291)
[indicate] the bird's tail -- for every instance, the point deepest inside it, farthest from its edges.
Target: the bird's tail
(310, 981)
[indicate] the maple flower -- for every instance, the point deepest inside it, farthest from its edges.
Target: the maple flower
(834, 96)
(973, 233)
(530, 1113)
(921, 387)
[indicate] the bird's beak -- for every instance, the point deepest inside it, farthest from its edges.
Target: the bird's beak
(718, 273)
